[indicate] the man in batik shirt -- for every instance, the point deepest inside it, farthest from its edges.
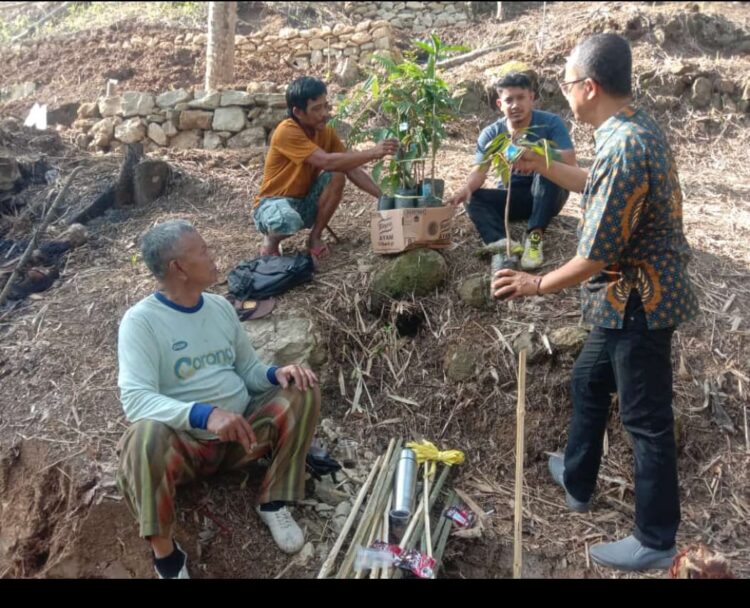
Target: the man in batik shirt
(632, 258)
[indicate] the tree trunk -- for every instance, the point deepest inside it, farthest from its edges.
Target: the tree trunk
(222, 20)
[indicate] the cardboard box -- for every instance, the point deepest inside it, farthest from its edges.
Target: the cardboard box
(403, 229)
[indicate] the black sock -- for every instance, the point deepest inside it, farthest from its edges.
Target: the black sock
(274, 505)
(170, 566)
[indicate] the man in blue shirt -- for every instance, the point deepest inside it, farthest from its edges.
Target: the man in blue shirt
(533, 197)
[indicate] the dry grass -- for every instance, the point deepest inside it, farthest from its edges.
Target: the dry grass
(58, 353)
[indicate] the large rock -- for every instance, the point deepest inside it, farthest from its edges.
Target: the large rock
(186, 140)
(236, 98)
(195, 119)
(208, 101)
(110, 106)
(347, 72)
(460, 363)
(103, 131)
(137, 104)
(249, 138)
(75, 235)
(130, 131)
(283, 339)
(172, 98)
(702, 91)
(326, 492)
(169, 128)
(568, 339)
(419, 271)
(475, 290)
(157, 134)
(272, 100)
(229, 119)
(9, 173)
(211, 141)
(88, 110)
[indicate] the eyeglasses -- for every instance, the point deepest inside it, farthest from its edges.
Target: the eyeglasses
(565, 86)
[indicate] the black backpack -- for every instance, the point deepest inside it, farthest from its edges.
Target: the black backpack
(269, 275)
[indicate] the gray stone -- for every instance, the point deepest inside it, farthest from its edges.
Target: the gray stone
(171, 98)
(316, 57)
(343, 509)
(84, 124)
(268, 118)
(157, 118)
(323, 508)
(130, 131)
(382, 44)
(326, 492)
(169, 128)
(252, 137)
(137, 104)
(88, 110)
(317, 44)
(568, 339)
(110, 106)
(229, 119)
(186, 140)
(347, 72)
(361, 38)
(195, 119)
(282, 338)
(726, 87)
(236, 98)
(306, 554)
(272, 100)
(211, 141)
(181, 107)
(156, 133)
(702, 90)
(475, 290)
(419, 271)
(208, 101)
(460, 363)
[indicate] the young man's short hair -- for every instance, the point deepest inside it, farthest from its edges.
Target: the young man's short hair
(514, 79)
(301, 91)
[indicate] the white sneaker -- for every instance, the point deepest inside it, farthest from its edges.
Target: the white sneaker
(183, 573)
(284, 529)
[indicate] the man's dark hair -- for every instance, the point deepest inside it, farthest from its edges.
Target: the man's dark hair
(606, 58)
(514, 79)
(301, 91)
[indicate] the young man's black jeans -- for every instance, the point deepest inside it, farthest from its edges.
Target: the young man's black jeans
(636, 362)
(538, 201)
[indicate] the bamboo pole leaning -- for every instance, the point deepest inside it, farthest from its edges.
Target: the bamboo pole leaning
(518, 502)
(331, 559)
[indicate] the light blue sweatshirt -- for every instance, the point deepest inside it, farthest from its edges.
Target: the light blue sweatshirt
(174, 360)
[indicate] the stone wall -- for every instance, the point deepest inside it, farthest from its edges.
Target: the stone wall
(417, 16)
(181, 119)
(315, 46)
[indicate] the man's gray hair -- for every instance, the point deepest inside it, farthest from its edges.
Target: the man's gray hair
(159, 245)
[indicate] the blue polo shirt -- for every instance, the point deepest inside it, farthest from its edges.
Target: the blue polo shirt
(546, 125)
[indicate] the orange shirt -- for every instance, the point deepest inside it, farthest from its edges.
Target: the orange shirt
(286, 173)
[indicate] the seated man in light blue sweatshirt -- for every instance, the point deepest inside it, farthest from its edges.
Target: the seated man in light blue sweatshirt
(201, 401)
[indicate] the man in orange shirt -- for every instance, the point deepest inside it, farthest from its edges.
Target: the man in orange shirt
(306, 169)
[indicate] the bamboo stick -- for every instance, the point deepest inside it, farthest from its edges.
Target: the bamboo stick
(329, 561)
(445, 531)
(518, 506)
(364, 523)
(386, 573)
(427, 530)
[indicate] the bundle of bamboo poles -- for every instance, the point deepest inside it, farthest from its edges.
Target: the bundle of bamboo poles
(374, 503)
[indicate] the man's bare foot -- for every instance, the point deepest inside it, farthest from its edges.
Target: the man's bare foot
(319, 249)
